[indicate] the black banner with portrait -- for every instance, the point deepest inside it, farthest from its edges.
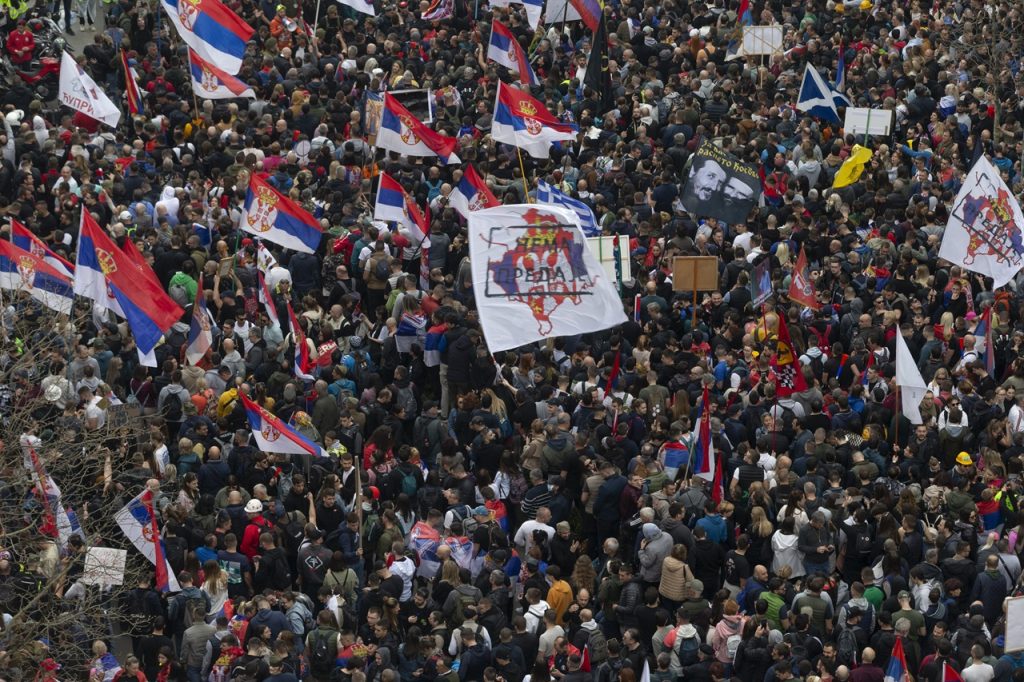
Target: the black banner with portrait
(719, 186)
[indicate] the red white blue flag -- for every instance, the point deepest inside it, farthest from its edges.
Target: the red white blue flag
(504, 49)
(273, 435)
(210, 28)
(403, 133)
(138, 521)
(471, 193)
(270, 215)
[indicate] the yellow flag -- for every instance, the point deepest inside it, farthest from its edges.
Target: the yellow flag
(851, 169)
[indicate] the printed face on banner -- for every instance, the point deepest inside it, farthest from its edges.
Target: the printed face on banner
(719, 186)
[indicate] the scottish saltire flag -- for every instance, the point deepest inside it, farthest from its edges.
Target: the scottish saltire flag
(504, 49)
(896, 671)
(132, 93)
(200, 332)
(546, 194)
(839, 97)
(439, 9)
(589, 11)
(138, 520)
(362, 6)
(22, 270)
(65, 522)
(817, 97)
(411, 329)
(273, 435)
(743, 18)
(403, 133)
(211, 82)
(24, 239)
(209, 27)
(270, 215)
(103, 271)
(522, 121)
(471, 193)
(267, 300)
(302, 363)
(705, 461)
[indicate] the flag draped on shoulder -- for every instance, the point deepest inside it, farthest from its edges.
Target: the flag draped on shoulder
(138, 520)
(546, 194)
(816, 97)
(273, 435)
(132, 93)
(200, 333)
(801, 288)
(22, 270)
(789, 378)
(270, 215)
(403, 133)
(522, 121)
(504, 49)
(911, 384)
(985, 230)
(79, 91)
(471, 193)
(210, 28)
(24, 239)
(103, 272)
(211, 82)
(896, 671)
(852, 167)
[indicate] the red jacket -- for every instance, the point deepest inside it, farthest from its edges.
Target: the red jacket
(251, 537)
(18, 41)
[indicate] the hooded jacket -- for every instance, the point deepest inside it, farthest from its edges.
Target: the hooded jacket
(726, 628)
(658, 546)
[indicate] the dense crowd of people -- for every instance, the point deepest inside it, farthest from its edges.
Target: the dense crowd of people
(534, 514)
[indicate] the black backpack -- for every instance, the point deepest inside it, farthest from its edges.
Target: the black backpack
(172, 408)
(321, 658)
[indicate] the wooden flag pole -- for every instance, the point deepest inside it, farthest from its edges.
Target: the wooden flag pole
(522, 169)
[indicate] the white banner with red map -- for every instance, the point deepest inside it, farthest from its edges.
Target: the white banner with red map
(534, 277)
(984, 230)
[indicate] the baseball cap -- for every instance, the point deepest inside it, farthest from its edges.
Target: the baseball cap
(481, 511)
(903, 595)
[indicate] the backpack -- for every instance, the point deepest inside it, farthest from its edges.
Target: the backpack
(172, 408)
(190, 604)
(407, 399)
(422, 436)
(458, 616)
(863, 541)
(410, 483)
(517, 487)
(308, 624)
(179, 293)
(686, 649)
(846, 647)
(732, 645)
(321, 659)
(381, 269)
(291, 531)
(464, 514)
(597, 645)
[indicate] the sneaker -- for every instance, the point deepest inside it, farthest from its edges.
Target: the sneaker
(81, 22)
(69, 31)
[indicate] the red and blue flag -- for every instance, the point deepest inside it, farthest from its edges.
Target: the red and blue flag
(270, 215)
(504, 49)
(273, 435)
(302, 362)
(471, 193)
(131, 87)
(401, 132)
(22, 270)
(24, 239)
(590, 12)
(138, 520)
(200, 332)
(210, 28)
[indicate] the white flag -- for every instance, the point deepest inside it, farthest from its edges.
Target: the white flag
(364, 6)
(908, 377)
(80, 92)
(534, 277)
(984, 230)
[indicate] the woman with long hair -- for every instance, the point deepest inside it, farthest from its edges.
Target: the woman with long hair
(379, 441)
(784, 548)
(583, 577)
(760, 531)
(215, 585)
(188, 496)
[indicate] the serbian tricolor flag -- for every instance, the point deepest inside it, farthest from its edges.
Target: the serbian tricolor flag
(504, 49)
(210, 82)
(523, 121)
(24, 239)
(471, 193)
(674, 456)
(267, 300)
(61, 523)
(801, 288)
(788, 377)
(273, 435)
(302, 362)
(949, 674)
(439, 10)
(210, 28)
(589, 11)
(138, 521)
(403, 133)
(22, 270)
(636, 308)
(896, 671)
(270, 215)
(394, 204)
(705, 462)
(744, 17)
(131, 87)
(616, 366)
(200, 333)
(984, 330)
